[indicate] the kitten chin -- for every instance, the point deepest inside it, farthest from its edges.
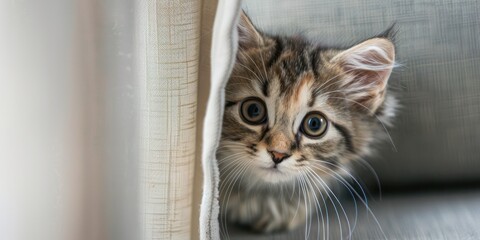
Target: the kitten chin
(274, 176)
(297, 114)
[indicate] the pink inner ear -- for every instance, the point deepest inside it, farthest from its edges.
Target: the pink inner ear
(368, 79)
(369, 64)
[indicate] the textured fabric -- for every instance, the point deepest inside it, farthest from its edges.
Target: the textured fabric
(436, 135)
(168, 45)
(224, 45)
(208, 16)
(444, 215)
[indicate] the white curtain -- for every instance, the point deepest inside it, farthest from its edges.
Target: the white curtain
(168, 57)
(102, 107)
(224, 46)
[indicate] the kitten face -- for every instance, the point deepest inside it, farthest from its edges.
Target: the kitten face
(296, 109)
(284, 144)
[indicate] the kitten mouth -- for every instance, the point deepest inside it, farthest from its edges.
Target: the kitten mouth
(274, 175)
(273, 168)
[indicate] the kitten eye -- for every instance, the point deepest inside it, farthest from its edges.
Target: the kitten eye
(253, 111)
(314, 125)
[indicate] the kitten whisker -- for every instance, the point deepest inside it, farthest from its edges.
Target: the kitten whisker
(227, 166)
(318, 208)
(316, 205)
(240, 83)
(264, 78)
(311, 173)
(240, 170)
(350, 189)
(264, 68)
(234, 166)
(372, 170)
(298, 202)
(319, 163)
(247, 68)
(364, 201)
(229, 142)
(321, 87)
(304, 191)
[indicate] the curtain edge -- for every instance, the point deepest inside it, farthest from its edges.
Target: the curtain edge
(223, 52)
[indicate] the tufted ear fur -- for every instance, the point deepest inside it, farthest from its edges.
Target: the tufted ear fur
(248, 35)
(368, 66)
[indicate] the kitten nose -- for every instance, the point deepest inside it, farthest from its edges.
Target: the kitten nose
(278, 157)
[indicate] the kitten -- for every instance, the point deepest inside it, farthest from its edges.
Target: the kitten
(296, 115)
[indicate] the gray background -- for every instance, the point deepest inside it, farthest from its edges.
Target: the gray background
(437, 133)
(427, 216)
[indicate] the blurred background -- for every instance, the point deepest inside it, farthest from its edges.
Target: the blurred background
(102, 103)
(68, 120)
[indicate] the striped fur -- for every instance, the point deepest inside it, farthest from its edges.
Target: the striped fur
(293, 77)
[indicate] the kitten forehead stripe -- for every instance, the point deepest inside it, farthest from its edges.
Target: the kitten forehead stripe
(312, 99)
(314, 57)
(277, 52)
(265, 85)
(346, 135)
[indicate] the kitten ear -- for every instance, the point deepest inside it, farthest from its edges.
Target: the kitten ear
(248, 35)
(368, 66)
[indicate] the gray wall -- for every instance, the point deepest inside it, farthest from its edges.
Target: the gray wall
(437, 133)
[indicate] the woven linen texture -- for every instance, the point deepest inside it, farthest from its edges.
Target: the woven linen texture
(168, 66)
